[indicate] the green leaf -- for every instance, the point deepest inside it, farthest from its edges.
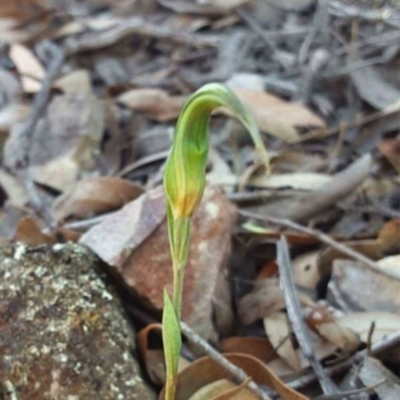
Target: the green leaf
(172, 342)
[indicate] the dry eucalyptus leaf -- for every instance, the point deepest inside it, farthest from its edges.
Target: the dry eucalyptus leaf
(259, 347)
(14, 189)
(276, 116)
(360, 288)
(373, 372)
(31, 70)
(78, 81)
(392, 264)
(305, 270)
(205, 371)
(12, 114)
(308, 205)
(59, 173)
(298, 181)
(322, 321)
(390, 148)
(152, 355)
(388, 241)
(210, 8)
(266, 298)
(277, 329)
(223, 389)
(360, 322)
(156, 103)
(378, 92)
(94, 196)
(29, 233)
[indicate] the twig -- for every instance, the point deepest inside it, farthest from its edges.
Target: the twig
(296, 318)
(237, 372)
(40, 102)
(384, 344)
(95, 40)
(322, 237)
(350, 393)
(27, 135)
(270, 47)
(321, 133)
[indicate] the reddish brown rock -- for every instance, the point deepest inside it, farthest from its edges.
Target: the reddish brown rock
(144, 260)
(149, 268)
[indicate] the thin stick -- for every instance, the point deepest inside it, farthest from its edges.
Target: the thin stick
(237, 372)
(384, 344)
(322, 237)
(27, 135)
(295, 315)
(40, 102)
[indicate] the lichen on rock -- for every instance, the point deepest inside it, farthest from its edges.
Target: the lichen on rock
(63, 332)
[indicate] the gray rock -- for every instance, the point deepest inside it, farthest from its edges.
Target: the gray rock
(63, 333)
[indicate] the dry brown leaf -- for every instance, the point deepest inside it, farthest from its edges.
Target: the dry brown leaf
(14, 188)
(277, 329)
(322, 321)
(360, 322)
(360, 288)
(29, 233)
(224, 389)
(204, 371)
(308, 205)
(390, 148)
(379, 93)
(392, 264)
(298, 181)
(266, 298)
(20, 10)
(258, 347)
(221, 174)
(78, 81)
(94, 196)
(59, 173)
(276, 116)
(28, 66)
(153, 355)
(388, 241)
(305, 270)
(210, 8)
(373, 372)
(12, 114)
(156, 103)
(296, 161)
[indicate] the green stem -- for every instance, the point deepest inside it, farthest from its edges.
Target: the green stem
(177, 290)
(170, 389)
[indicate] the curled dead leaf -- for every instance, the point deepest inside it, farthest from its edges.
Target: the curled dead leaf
(156, 103)
(205, 371)
(276, 116)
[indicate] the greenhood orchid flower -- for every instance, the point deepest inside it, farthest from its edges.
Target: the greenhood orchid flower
(184, 182)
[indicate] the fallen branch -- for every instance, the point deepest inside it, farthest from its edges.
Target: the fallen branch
(295, 316)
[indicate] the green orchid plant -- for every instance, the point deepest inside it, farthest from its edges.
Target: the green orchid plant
(184, 182)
